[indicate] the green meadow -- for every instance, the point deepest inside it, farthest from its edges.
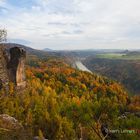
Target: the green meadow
(119, 56)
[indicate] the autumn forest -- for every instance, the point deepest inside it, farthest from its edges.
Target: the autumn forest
(63, 103)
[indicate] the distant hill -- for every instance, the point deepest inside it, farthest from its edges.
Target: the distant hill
(47, 49)
(11, 45)
(29, 50)
(34, 52)
(39, 54)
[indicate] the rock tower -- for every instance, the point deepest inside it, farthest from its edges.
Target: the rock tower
(16, 66)
(12, 66)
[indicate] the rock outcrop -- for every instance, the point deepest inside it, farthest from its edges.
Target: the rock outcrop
(12, 129)
(10, 123)
(16, 66)
(4, 78)
(12, 66)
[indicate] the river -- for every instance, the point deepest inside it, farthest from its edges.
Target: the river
(81, 66)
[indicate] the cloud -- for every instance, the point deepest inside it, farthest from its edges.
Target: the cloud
(59, 7)
(19, 41)
(73, 23)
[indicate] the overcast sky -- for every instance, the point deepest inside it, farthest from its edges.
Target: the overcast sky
(72, 24)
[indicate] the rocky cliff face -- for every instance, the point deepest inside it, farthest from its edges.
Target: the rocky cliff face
(12, 66)
(4, 78)
(16, 66)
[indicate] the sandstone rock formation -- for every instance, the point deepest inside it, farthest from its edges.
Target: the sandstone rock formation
(12, 66)
(10, 123)
(11, 129)
(4, 78)
(16, 66)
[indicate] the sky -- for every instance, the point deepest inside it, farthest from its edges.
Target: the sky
(72, 24)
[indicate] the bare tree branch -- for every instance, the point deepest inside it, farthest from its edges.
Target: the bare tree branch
(3, 35)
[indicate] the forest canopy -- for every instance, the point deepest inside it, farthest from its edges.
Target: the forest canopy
(62, 103)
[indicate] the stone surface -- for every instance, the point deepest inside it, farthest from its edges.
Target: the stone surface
(16, 66)
(4, 79)
(12, 66)
(12, 129)
(8, 122)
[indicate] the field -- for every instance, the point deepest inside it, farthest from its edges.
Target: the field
(123, 56)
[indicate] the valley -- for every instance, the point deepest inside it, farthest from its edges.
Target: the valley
(69, 70)
(67, 94)
(125, 71)
(120, 65)
(80, 66)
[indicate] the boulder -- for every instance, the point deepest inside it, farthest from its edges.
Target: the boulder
(11, 129)
(10, 123)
